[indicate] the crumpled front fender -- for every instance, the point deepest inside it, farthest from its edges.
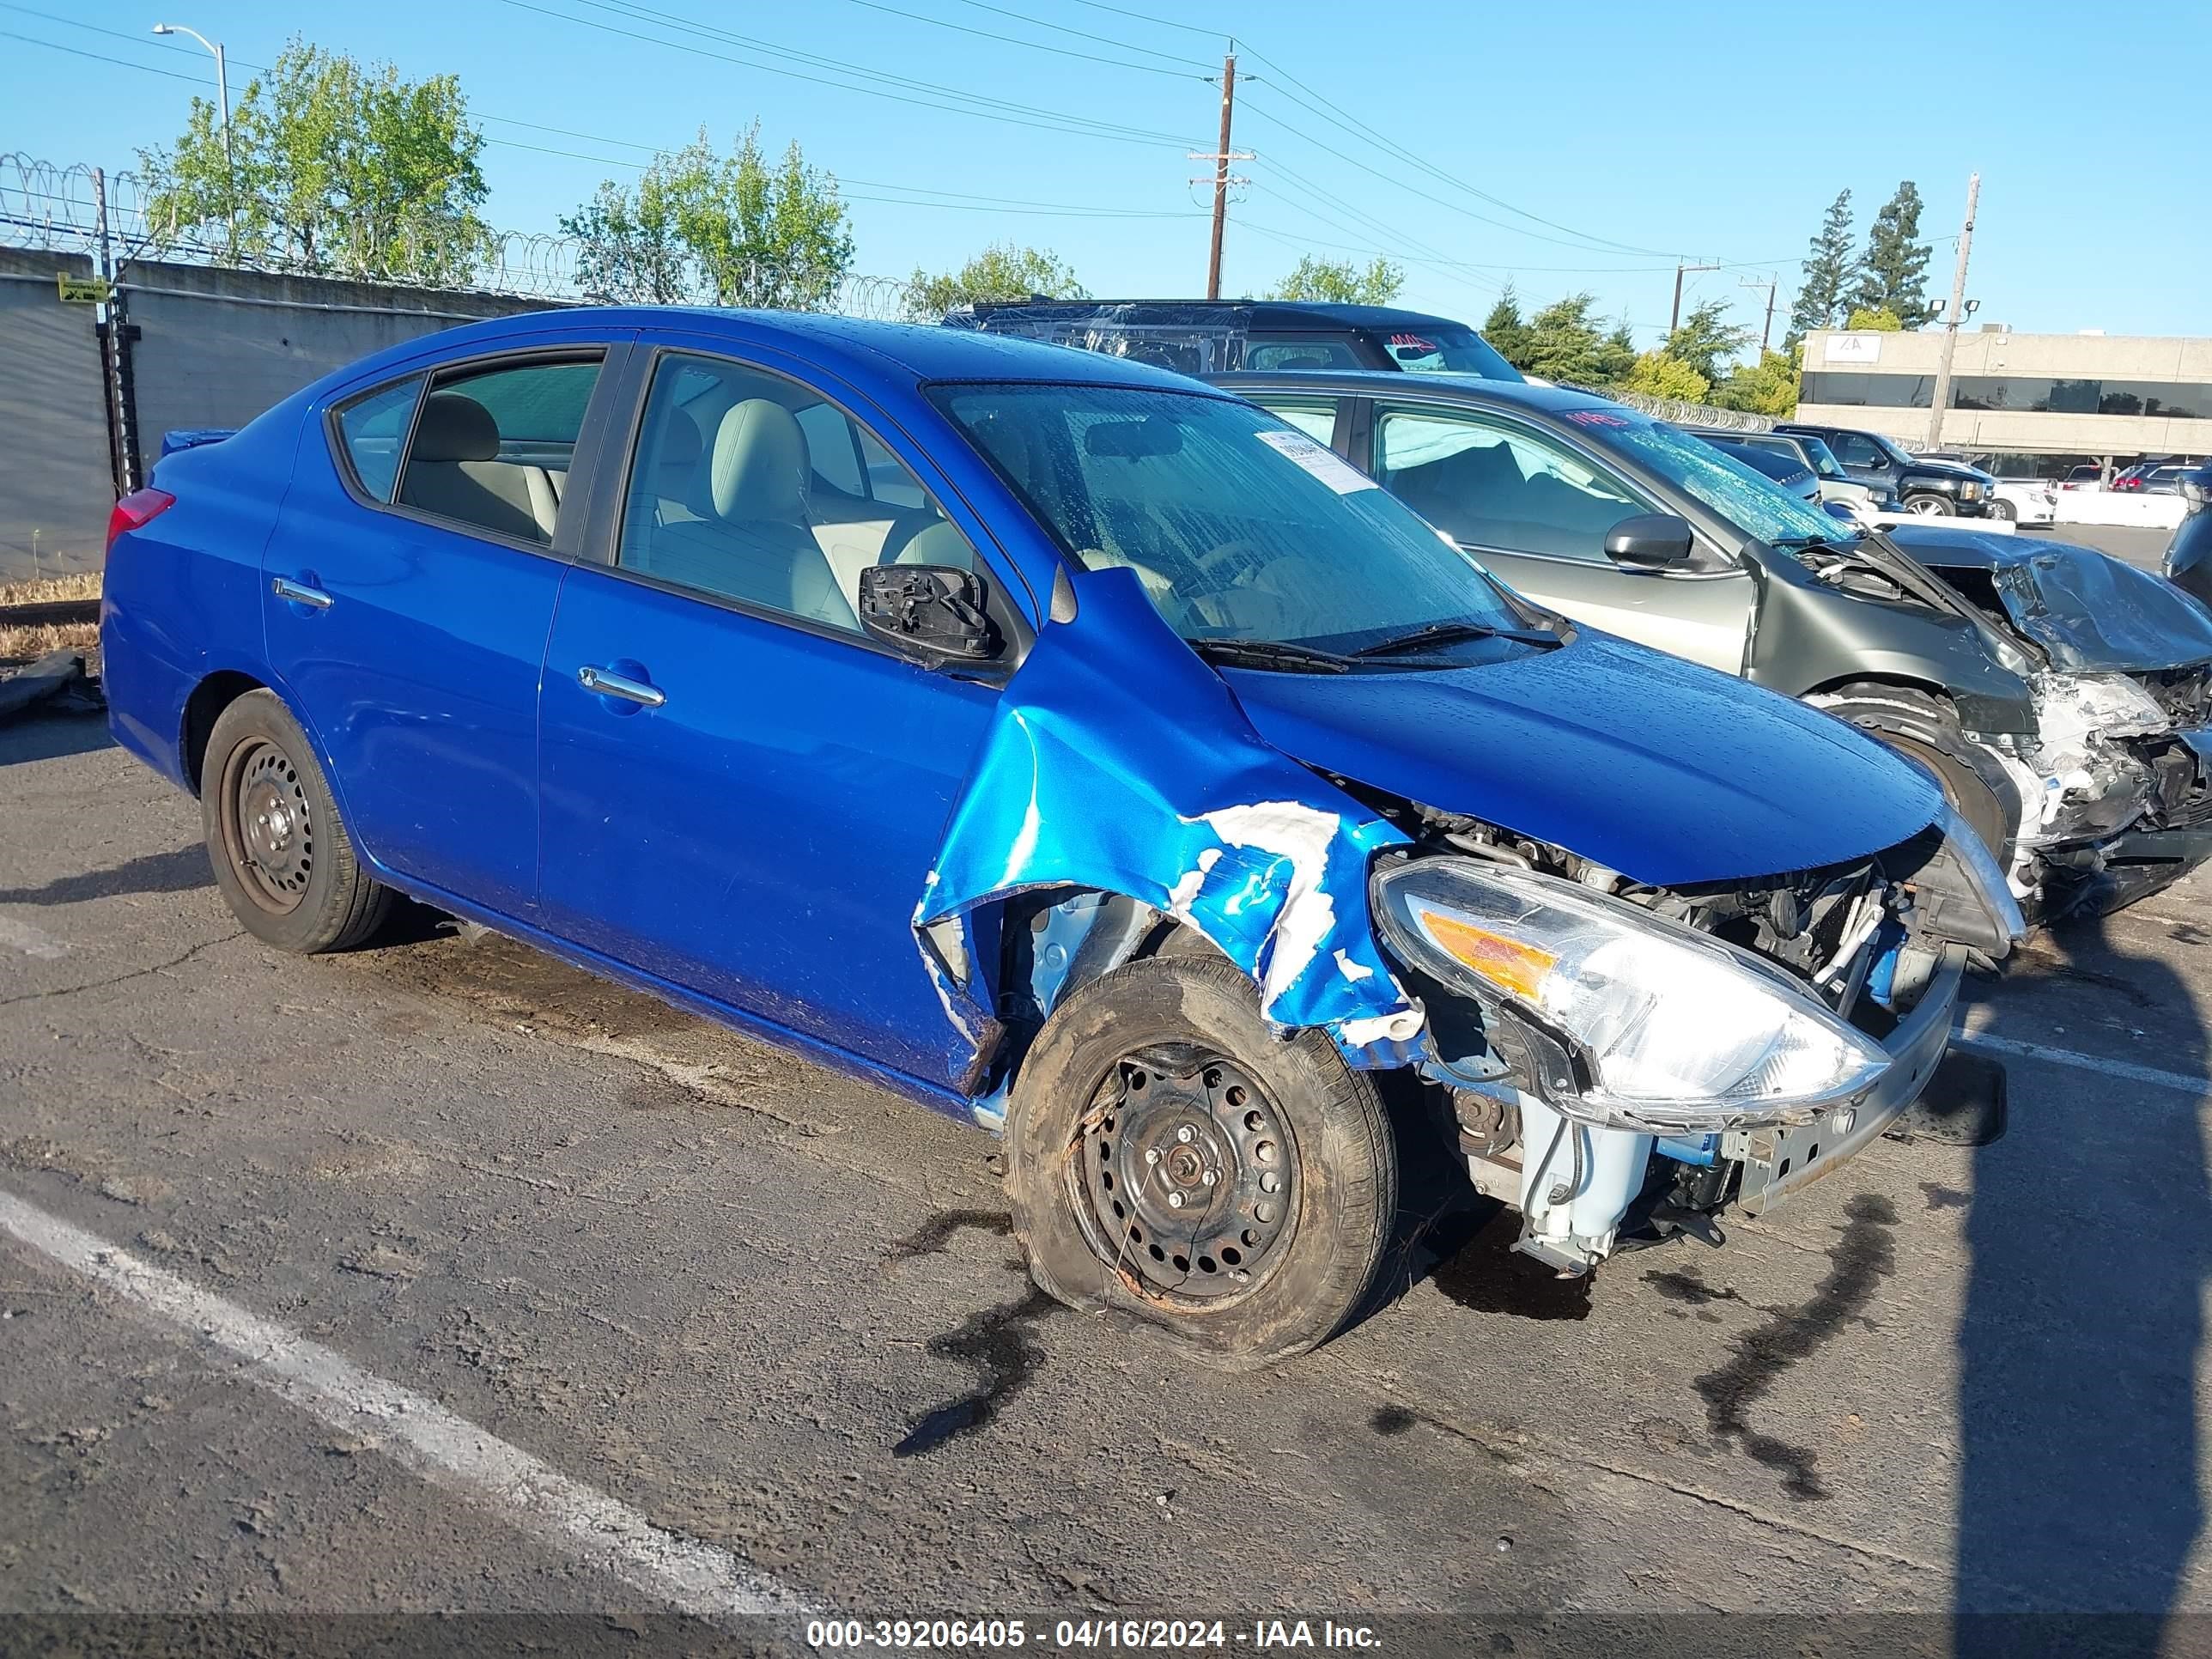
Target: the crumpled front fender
(1116, 760)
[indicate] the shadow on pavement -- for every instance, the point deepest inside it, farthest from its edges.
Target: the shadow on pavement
(50, 737)
(2077, 1402)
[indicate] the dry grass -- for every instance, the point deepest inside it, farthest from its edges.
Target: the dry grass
(27, 642)
(85, 585)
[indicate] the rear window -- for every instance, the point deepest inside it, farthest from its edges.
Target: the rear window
(372, 429)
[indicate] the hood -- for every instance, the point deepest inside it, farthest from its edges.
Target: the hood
(2089, 611)
(1674, 775)
(1952, 470)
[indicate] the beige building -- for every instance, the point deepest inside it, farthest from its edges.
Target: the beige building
(2085, 397)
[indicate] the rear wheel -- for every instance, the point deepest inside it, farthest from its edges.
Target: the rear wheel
(282, 860)
(1926, 731)
(1930, 507)
(1170, 1157)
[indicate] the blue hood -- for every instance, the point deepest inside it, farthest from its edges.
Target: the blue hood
(1674, 775)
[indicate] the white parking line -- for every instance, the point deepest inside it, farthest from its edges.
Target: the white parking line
(2128, 1069)
(31, 941)
(691, 1577)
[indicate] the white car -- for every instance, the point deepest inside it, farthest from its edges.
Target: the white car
(2024, 500)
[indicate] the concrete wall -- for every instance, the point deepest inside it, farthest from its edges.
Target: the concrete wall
(2184, 360)
(216, 347)
(54, 489)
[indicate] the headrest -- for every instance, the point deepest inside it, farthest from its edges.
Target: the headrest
(456, 428)
(681, 445)
(760, 469)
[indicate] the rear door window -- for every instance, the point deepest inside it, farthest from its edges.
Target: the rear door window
(1300, 351)
(372, 429)
(493, 446)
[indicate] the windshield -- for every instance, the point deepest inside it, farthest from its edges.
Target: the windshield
(1897, 456)
(1239, 526)
(1445, 347)
(1754, 504)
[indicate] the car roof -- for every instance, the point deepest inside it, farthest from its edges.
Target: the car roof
(1399, 383)
(1287, 314)
(857, 350)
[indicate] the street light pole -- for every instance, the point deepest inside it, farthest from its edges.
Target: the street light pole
(222, 95)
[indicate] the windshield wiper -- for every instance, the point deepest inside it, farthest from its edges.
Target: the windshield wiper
(1271, 653)
(1445, 633)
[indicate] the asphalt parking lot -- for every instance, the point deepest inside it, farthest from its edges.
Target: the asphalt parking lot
(438, 1276)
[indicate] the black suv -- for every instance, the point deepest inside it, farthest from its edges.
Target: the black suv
(1209, 336)
(1939, 489)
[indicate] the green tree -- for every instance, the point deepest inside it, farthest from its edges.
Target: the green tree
(1879, 320)
(1826, 273)
(1507, 330)
(1768, 386)
(1706, 340)
(1000, 271)
(1342, 283)
(1893, 271)
(1566, 343)
(729, 230)
(1662, 374)
(335, 166)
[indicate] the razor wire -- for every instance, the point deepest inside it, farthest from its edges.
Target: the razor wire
(66, 208)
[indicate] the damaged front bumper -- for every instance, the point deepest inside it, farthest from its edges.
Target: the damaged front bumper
(2116, 798)
(1779, 1163)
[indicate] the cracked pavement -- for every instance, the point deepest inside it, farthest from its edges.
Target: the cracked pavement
(775, 1310)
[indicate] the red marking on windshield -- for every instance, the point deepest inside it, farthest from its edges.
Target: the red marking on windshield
(1594, 418)
(1412, 340)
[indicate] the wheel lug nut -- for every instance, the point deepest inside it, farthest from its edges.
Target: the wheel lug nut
(1174, 1201)
(1185, 1134)
(1210, 1178)
(1152, 1154)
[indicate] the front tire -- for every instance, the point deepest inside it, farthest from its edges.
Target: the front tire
(2001, 509)
(283, 862)
(1930, 507)
(1170, 1157)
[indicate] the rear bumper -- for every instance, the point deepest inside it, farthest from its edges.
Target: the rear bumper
(1779, 1163)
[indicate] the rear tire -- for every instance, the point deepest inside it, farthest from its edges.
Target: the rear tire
(1161, 1082)
(283, 862)
(1926, 731)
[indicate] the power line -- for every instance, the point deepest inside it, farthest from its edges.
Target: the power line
(1082, 34)
(1142, 17)
(102, 58)
(1034, 45)
(1350, 123)
(1055, 121)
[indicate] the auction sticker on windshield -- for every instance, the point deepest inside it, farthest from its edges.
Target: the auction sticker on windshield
(1331, 468)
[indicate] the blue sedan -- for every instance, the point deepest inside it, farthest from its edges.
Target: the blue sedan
(1065, 745)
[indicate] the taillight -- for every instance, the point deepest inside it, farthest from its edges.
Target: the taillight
(137, 510)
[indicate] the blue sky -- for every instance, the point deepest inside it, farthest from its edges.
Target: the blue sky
(1564, 149)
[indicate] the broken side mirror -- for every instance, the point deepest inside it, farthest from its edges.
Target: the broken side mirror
(934, 610)
(1649, 540)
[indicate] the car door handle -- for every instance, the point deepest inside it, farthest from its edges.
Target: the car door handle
(300, 594)
(616, 685)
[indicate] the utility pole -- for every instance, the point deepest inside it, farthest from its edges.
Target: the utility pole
(1954, 316)
(1766, 329)
(1221, 158)
(1674, 319)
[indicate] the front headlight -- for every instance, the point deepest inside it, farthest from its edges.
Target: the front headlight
(1681, 1031)
(2109, 704)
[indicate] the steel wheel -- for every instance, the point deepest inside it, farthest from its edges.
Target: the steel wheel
(1184, 1173)
(267, 829)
